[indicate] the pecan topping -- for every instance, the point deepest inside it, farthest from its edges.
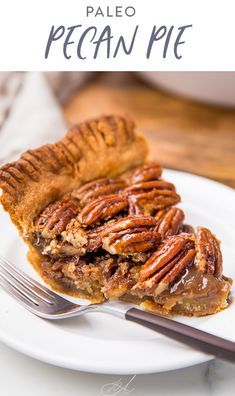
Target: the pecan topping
(102, 209)
(130, 235)
(98, 188)
(94, 237)
(146, 197)
(145, 172)
(56, 216)
(75, 234)
(209, 257)
(166, 264)
(187, 228)
(58, 249)
(169, 221)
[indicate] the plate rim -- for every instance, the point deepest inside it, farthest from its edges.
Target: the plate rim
(96, 369)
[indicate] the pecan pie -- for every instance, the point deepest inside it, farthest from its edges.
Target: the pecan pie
(101, 223)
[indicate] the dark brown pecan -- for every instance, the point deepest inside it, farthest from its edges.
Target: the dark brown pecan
(209, 257)
(145, 172)
(94, 241)
(147, 197)
(169, 221)
(98, 188)
(56, 216)
(102, 209)
(130, 235)
(166, 264)
(94, 237)
(187, 228)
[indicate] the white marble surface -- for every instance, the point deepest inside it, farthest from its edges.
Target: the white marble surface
(21, 375)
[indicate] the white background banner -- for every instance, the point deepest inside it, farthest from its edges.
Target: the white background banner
(117, 35)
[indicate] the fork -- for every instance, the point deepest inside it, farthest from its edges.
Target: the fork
(46, 304)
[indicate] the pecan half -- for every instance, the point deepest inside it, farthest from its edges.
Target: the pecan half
(169, 221)
(208, 257)
(94, 237)
(102, 209)
(56, 216)
(130, 235)
(146, 197)
(145, 172)
(166, 264)
(98, 188)
(187, 228)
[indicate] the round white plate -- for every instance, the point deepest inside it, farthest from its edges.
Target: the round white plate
(101, 343)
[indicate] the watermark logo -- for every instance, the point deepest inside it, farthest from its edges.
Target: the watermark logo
(118, 387)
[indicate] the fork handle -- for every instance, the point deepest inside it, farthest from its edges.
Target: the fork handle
(191, 336)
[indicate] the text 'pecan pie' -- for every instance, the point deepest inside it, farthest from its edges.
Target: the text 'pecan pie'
(101, 223)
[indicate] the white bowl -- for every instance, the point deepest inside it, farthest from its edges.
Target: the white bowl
(210, 87)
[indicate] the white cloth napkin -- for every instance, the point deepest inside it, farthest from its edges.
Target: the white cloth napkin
(33, 103)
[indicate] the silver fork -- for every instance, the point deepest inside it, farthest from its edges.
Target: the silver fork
(46, 304)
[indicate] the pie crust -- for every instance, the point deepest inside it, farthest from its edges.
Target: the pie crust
(101, 223)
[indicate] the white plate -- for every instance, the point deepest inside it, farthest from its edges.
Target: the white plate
(103, 344)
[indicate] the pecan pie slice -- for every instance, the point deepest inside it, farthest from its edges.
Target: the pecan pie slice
(101, 223)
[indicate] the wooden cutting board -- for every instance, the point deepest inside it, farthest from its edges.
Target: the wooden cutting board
(182, 135)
